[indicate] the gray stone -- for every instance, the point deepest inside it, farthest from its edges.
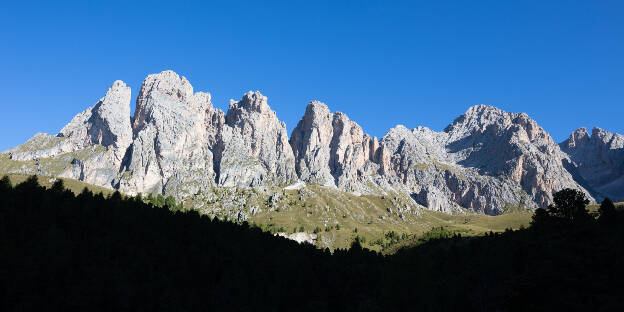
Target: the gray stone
(253, 148)
(170, 152)
(597, 162)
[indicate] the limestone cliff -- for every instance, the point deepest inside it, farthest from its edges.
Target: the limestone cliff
(177, 143)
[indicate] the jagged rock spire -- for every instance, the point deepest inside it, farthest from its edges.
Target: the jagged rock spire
(106, 123)
(177, 143)
(253, 147)
(330, 149)
(598, 160)
(170, 151)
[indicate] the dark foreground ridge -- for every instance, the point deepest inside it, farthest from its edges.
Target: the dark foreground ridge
(90, 252)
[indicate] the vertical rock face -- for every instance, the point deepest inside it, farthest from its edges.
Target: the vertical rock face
(598, 161)
(170, 151)
(310, 142)
(329, 148)
(107, 123)
(419, 160)
(90, 148)
(252, 148)
(511, 146)
(177, 143)
(485, 160)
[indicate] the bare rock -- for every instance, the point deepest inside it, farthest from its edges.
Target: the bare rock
(510, 146)
(107, 123)
(90, 148)
(597, 161)
(434, 199)
(170, 152)
(253, 146)
(420, 162)
(330, 149)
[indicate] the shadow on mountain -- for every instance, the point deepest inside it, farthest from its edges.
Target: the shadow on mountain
(580, 180)
(90, 252)
(484, 152)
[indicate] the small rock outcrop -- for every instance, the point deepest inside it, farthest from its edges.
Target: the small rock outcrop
(597, 161)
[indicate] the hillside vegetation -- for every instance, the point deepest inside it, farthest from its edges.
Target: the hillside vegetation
(334, 217)
(95, 252)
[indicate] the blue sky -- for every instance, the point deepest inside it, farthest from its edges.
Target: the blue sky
(381, 62)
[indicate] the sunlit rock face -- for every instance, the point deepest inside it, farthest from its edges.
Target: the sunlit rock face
(332, 150)
(420, 161)
(252, 148)
(90, 148)
(171, 131)
(485, 161)
(107, 123)
(597, 161)
(513, 147)
(177, 143)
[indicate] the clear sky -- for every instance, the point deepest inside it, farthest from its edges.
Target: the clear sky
(381, 62)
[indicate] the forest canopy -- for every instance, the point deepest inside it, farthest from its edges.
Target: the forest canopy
(96, 252)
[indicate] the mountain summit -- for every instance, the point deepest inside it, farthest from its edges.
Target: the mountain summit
(178, 144)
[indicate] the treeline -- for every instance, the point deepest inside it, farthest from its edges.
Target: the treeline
(567, 260)
(91, 252)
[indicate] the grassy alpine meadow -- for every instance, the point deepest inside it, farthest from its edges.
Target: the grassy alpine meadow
(334, 219)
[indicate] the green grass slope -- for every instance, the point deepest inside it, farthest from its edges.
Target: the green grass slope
(335, 218)
(73, 185)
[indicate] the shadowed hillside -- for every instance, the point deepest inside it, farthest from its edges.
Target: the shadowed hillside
(95, 252)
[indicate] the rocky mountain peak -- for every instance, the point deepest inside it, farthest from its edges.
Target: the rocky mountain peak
(253, 105)
(253, 146)
(106, 123)
(598, 160)
(167, 82)
(510, 145)
(477, 119)
(252, 101)
(170, 148)
(166, 90)
(607, 138)
(177, 143)
(330, 149)
(579, 138)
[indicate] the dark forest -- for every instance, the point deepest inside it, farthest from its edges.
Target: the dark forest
(61, 251)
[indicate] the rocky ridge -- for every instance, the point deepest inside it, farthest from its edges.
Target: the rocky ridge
(332, 150)
(177, 143)
(253, 145)
(598, 160)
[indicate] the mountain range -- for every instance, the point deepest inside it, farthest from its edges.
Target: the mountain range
(487, 160)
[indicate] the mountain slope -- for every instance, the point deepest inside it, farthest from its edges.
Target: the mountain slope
(598, 161)
(178, 144)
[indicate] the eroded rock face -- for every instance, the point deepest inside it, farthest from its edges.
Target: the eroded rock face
(170, 152)
(419, 161)
(511, 146)
(485, 160)
(331, 149)
(107, 123)
(252, 149)
(598, 161)
(91, 147)
(177, 143)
